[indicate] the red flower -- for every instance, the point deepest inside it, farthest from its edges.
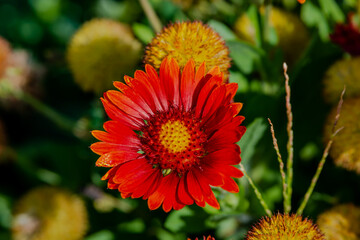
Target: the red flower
(347, 36)
(171, 136)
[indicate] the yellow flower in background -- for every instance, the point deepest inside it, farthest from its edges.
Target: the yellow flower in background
(345, 150)
(341, 222)
(186, 40)
(101, 52)
(292, 34)
(5, 52)
(345, 72)
(285, 227)
(49, 213)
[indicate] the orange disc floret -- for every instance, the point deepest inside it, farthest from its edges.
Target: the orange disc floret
(345, 150)
(285, 226)
(101, 52)
(171, 136)
(5, 52)
(340, 222)
(49, 213)
(189, 40)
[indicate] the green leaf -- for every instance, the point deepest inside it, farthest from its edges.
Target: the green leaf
(240, 79)
(143, 32)
(313, 17)
(226, 33)
(134, 226)
(5, 212)
(332, 10)
(244, 55)
(175, 221)
(253, 134)
(187, 220)
(102, 235)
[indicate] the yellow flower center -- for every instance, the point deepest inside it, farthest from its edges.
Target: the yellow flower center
(174, 136)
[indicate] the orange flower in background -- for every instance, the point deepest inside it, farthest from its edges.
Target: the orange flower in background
(5, 52)
(301, 1)
(171, 136)
(185, 40)
(285, 226)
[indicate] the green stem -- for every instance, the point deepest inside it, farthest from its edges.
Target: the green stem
(51, 114)
(151, 15)
(281, 166)
(290, 143)
(257, 192)
(323, 158)
(314, 179)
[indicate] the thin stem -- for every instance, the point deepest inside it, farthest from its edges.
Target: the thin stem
(323, 158)
(290, 143)
(257, 192)
(281, 165)
(51, 114)
(151, 15)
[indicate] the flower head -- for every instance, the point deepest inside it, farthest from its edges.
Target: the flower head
(5, 52)
(344, 72)
(205, 238)
(171, 136)
(345, 150)
(341, 222)
(285, 226)
(292, 35)
(189, 40)
(347, 36)
(49, 213)
(100, 52)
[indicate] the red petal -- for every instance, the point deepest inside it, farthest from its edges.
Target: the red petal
(208, 194)
(187, 84)
(235, 108)
(112, 159)
(231, 89)
(230, 185)
(131, 171)
(124, 103)
(182, 194)
(227, 156)
(135, 97)
(156, 199)
(125, 195)
(205, 93)
(215, 100)
(170, 200)
(110, 173)
(116, 114)
(193, 187)
(104, 147)
(148, 186)
(212, 201)
(155, 82)
(121, 138)
(200, 73)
